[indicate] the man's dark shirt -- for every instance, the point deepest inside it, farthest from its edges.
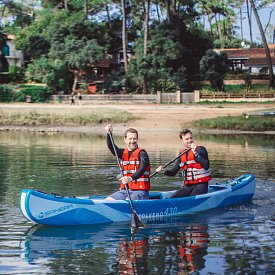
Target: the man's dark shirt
(201, 157)
(143, 158)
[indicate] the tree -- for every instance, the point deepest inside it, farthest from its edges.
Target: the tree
(37, 46)
(52, 73)
(267, 52)
(124, 36)
(79, 46)
(3, 61)
(161, 50)
(78, 55)
(146, 35)
(213, 68)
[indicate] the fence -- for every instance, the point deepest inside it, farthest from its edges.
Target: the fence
(235, 97)
(160, 97)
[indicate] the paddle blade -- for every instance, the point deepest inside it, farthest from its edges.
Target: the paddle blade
(135, 221)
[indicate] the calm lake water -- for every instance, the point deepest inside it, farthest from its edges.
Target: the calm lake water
(234, 240)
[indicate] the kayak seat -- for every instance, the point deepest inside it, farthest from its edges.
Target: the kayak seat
(155, 196)
(161, 195)
(213, 188)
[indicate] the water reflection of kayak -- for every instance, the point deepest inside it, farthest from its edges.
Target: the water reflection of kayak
(53, 209)
(189, 234)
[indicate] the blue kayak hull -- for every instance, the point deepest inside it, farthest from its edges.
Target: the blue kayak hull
(56, 210)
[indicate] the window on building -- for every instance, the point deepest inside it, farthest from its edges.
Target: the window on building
(6, 50)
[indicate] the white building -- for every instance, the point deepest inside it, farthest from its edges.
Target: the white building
(14, 57)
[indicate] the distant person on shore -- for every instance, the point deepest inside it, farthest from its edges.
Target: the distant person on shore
(194, 164)
(135, 164)
(72, 98)
(79, 96)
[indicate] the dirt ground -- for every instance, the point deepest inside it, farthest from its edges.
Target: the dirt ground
(151, 118)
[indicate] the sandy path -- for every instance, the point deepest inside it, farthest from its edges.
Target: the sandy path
(151, 117)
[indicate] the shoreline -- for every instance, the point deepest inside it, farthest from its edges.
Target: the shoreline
(150, 118)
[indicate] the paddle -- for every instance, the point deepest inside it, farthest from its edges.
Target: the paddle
(135, 221)
(169, 162)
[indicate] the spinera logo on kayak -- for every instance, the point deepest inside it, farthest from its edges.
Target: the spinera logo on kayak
(54, 211)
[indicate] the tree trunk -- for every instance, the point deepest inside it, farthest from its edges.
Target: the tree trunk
(66, 5)
(86, 8)
(168, 12)
(241, 19)
(3, 12)
(146, 34)
(269, 19)
(76, 75)
(249, 21)
(108, 16)
(124, 37)
(267, 52)
(174, 7)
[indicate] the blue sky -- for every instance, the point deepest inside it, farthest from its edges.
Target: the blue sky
(264, 16)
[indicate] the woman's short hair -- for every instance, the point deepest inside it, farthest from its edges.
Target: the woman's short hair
(183, 132)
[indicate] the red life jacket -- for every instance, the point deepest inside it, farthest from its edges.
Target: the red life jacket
(194, 173)
(130, 166)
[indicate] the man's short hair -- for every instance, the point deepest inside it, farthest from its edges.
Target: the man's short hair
(183, 132)
(130, 130)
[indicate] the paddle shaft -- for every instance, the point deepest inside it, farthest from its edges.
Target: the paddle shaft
(171, 161)
(126, 185)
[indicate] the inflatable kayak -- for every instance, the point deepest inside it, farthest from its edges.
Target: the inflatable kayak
(53, 209)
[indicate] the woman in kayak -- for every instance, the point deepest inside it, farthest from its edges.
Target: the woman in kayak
(135, 164)
(195, 165)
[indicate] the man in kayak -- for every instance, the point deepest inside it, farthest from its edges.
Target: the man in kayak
(195, 165)
(135, 164)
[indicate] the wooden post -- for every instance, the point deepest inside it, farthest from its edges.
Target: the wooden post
(197, 96)
(178, 96)
(159, 97)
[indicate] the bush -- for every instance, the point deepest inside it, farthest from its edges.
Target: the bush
(6, 93)
(213, 67)
(37, 93)
(239, 88)
(16, 74)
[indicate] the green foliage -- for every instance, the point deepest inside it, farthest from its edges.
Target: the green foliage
(37, 46)
(3, 39)
(180, 79)
(96, 116)
(37, 93)
(248, 81)
(52, 73)
(238, 123)
(78, 54)
(213, 68)
(3, 61)
(227, 42)
(6, 93)
(173, 54)
(254, 88)
(16, 74)
(72, 35)
(161, 50)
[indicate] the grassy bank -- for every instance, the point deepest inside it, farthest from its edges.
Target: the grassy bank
(241, 123)
(63, 117)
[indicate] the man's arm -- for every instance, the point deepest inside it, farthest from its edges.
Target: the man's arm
(174, 170)
(144, 161)
(110, 146)
(201, 156)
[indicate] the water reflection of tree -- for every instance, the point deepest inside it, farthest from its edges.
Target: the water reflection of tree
(4, 164)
